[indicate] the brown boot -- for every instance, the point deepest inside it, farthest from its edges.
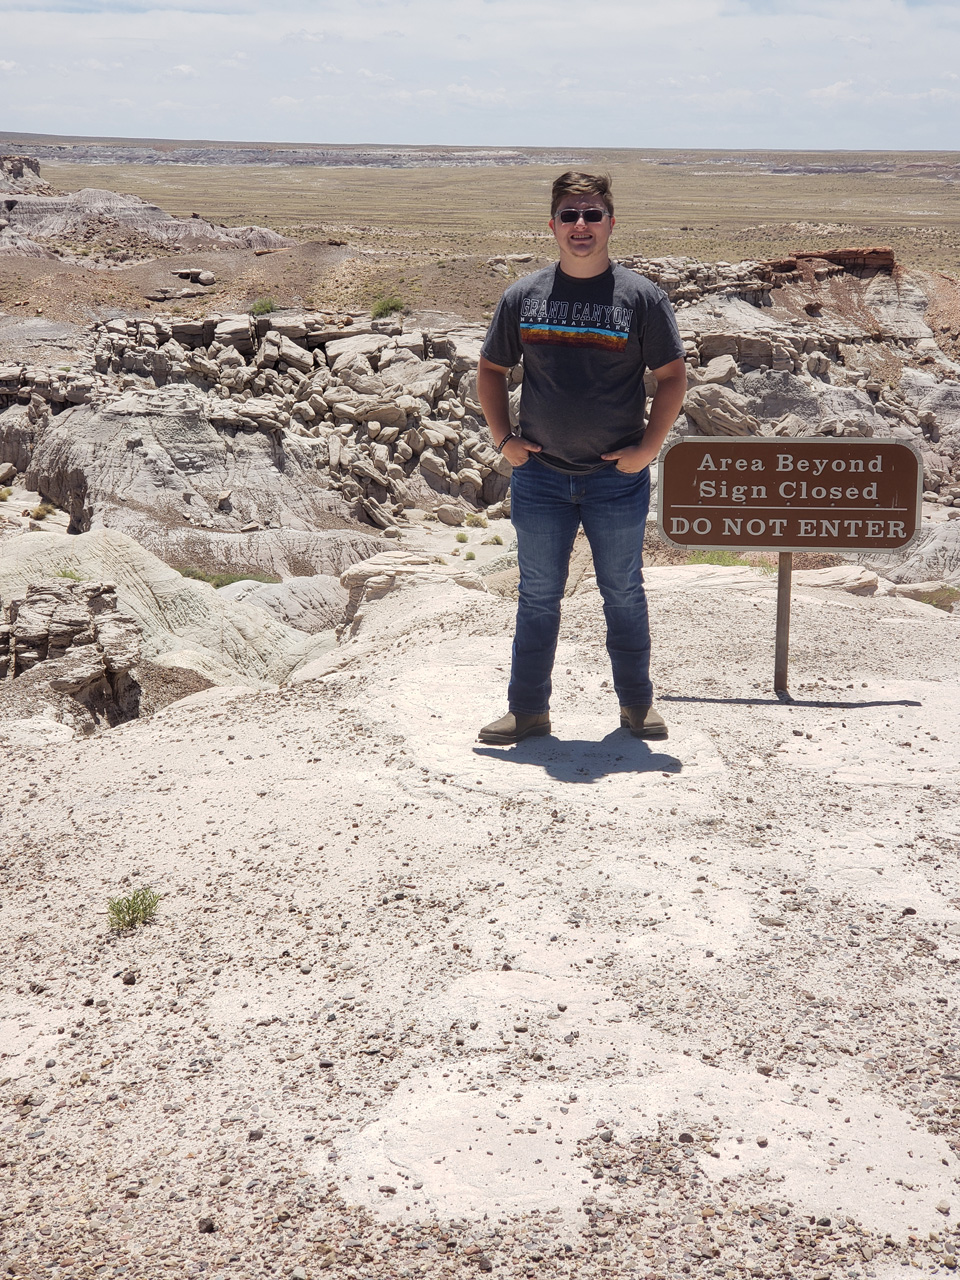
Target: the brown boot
(643, 722)
(514, 727)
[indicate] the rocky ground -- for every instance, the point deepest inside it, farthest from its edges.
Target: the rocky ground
(412, 1006)
(256, 578)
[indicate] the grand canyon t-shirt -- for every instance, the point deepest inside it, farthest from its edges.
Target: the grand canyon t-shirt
(585, 346)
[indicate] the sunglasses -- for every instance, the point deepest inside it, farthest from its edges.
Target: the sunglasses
(569, 216)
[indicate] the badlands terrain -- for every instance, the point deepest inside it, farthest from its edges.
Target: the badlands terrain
(257, 583)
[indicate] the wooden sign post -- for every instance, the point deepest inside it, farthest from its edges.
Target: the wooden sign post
(757, 493)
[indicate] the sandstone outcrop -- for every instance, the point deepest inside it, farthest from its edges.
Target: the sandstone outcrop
(67, 654)
(183, 623)
(30, 219)
(20, 174)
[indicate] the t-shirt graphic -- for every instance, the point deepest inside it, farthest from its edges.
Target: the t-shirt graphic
(585, 344)
(582, 324)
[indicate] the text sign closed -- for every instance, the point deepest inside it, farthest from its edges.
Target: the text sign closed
(790, 495)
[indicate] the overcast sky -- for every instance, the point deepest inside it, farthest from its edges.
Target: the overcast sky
(821, 74)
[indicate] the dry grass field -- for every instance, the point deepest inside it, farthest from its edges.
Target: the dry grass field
(726, 205)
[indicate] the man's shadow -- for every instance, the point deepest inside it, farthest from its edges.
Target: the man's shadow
(580, 760)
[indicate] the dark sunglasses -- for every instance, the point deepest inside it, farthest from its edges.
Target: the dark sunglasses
(574, 215)
(588, 215)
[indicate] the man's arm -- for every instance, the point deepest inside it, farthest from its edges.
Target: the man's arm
(667, 403)
(494, 400)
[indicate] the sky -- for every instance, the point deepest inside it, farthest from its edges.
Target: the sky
(781, 74)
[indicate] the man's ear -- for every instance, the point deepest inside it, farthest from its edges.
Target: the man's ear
(613, 221)
(551, 226)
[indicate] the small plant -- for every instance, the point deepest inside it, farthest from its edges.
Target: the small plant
(462, 537)
(263, 307)
(5, 494)
(40, 513)
(386, 305)
(139, 908)
(226, 579)
(470, 555)
(69, 573)
(941, 598)
(476, 521)
(495, 541)
(728, 559)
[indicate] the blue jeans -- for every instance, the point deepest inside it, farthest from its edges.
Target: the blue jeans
(547, 507)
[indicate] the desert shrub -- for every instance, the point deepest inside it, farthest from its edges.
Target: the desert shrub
(728, 559)
(386, 305)
(941, 598)
(139, 908)
(495, 541)
(262, 307)
(40, 513)
(461, 537)
(5, 494)
(471, 555)
(476, 521)
(225, 579)
(69, 573)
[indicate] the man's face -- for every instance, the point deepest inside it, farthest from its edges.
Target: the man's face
(582, 242)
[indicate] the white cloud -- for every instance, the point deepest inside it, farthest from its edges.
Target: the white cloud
(737, 73)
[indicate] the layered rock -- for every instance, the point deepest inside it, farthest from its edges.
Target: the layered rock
(71, 653)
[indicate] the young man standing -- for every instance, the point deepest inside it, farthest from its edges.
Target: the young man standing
(586, 329)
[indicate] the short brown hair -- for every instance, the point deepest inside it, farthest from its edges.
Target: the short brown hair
(581, 184)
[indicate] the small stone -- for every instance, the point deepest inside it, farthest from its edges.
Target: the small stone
(520, 1027)
(765, 1070)
(763, 1142)
(324, 1062)
(606, 1135)
(823, 1222)
(388, 1191)
(943, 1207)
(483, 1262)
(50, 1062)
(206, 1226)
(686, 1137)
(950, 1261)
(226, 1179)
(129, 978)
(254, 1135)
(562, 1008)
(305, 967)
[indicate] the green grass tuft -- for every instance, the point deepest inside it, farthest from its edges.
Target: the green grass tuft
(225, 579)
(941, 598)
(470, 555)
(5, 494)
(462, 537)
(40, 513)
(139, 908)
(69, 573)
(476, 521)
(262, 307)
(728, 559)
(386, 305)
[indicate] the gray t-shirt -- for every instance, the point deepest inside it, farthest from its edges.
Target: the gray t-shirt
(585, 345)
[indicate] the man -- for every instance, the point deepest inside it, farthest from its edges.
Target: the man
(586, 330)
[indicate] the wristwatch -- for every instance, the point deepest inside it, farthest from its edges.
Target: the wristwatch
(511, 435)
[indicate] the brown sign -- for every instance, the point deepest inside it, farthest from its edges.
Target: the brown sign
(790, 495)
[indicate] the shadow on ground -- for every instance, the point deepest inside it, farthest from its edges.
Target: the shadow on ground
(581, 760)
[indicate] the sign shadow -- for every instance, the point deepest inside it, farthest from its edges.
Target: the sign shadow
(583, 761)
(791, 701)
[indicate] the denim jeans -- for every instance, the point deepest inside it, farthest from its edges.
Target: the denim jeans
(547, 507)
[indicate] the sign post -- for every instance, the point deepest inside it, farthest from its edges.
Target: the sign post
(757, 493)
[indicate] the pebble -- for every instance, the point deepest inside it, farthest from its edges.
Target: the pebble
(206, 1226)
